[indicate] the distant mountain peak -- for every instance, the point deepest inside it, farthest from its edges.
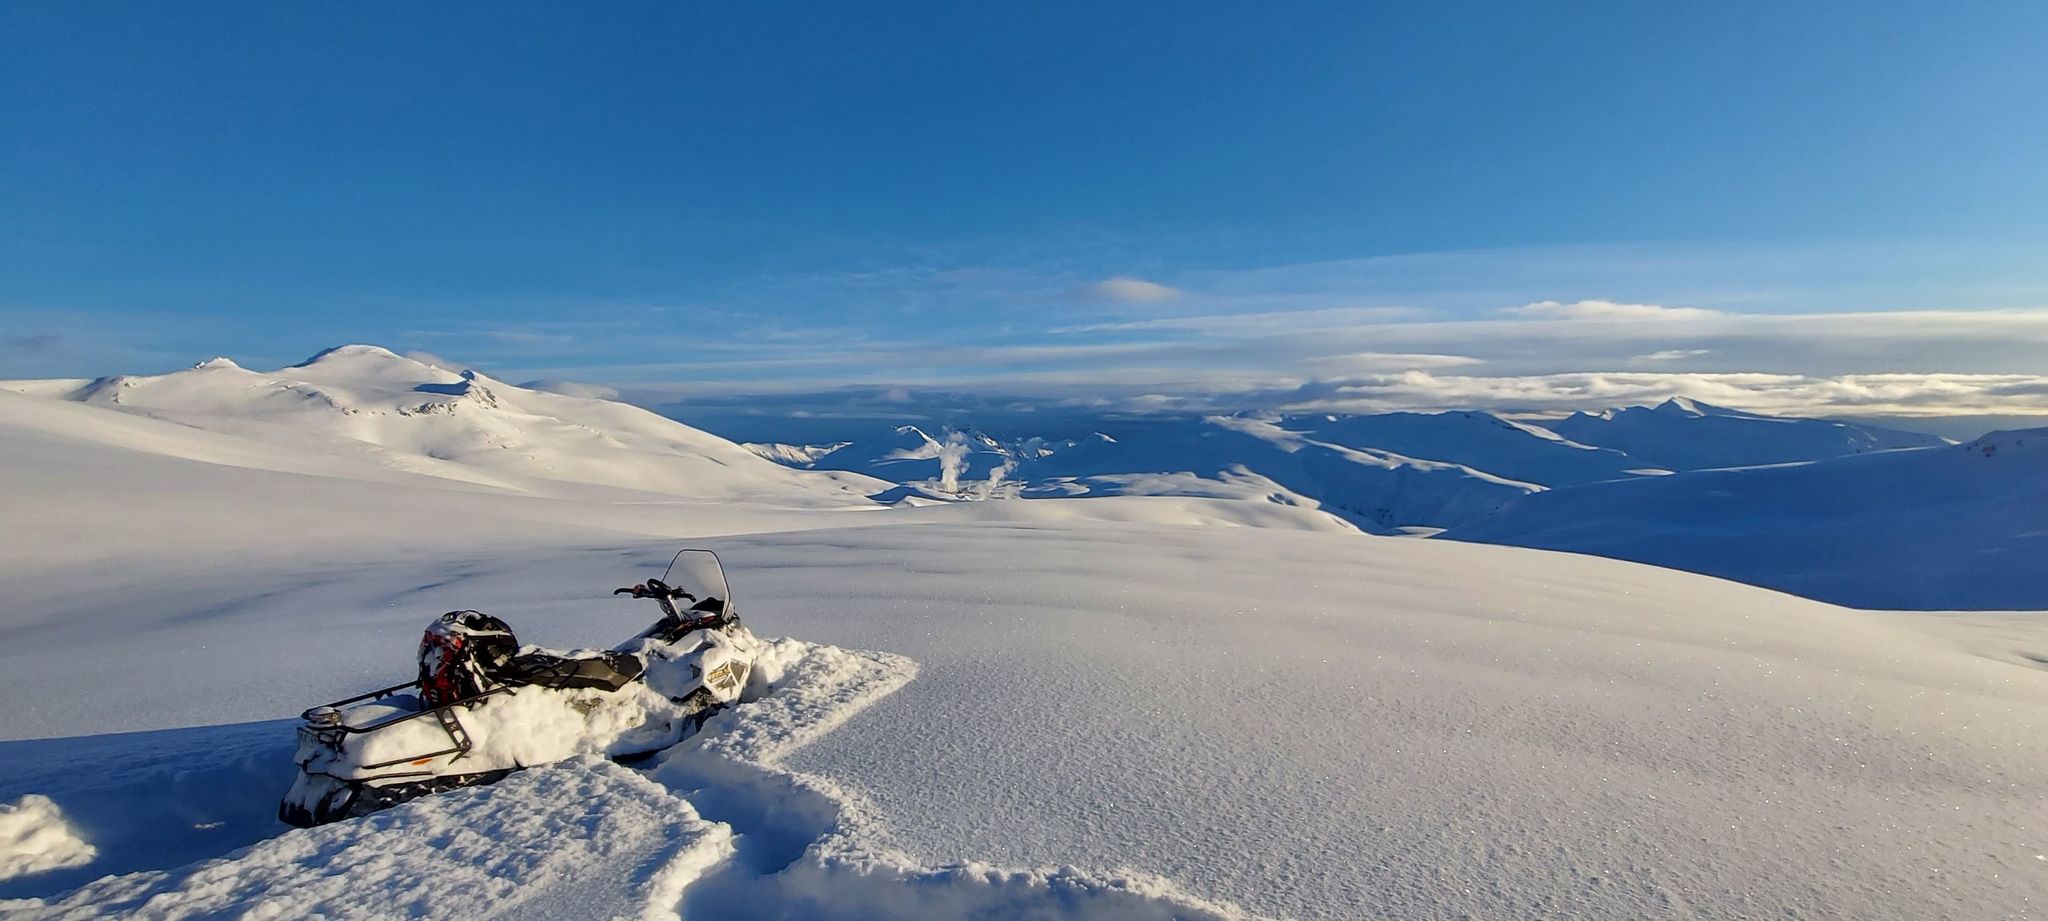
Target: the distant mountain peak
(344, 352)
(1686, 406)
(416, 419)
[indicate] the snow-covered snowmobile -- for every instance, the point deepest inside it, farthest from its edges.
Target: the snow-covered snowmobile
(484, 706)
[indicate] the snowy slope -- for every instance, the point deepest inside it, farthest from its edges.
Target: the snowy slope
(1953, 527)
(792, 455)
(1479, 440)
(1443, 729)
(377, 407)
(1682, 434)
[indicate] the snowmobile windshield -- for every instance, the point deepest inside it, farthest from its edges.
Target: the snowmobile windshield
(698, 572)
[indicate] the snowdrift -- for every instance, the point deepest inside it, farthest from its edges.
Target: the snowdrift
(1950, 528)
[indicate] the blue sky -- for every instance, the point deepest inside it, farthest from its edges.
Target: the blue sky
(1170, 201)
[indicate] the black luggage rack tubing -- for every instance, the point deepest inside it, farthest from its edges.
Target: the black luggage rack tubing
(445, 715)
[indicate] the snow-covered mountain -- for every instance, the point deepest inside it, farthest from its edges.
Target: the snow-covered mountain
(1383, 473)
(907, 454)
(1682, 434)
(1477, 440)
(1256, 459)
(378, 408)
(1956, 526)
(792, 455)
(1223, 457)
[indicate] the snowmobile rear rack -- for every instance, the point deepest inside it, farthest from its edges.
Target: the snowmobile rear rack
(373, 695)
(445, 715)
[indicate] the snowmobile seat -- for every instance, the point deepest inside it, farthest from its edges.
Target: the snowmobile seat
(608, 671)
(467, 653)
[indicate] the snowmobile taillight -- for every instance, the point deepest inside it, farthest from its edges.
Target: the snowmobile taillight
(323, 717)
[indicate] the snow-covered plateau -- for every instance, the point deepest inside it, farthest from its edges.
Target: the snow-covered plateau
(1188, 704)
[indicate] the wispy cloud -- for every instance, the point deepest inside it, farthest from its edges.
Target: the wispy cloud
(1852, 394)
(1124, 289)
(1370, 362)
(1265, 322)
(1606, 310)
(1670, 355)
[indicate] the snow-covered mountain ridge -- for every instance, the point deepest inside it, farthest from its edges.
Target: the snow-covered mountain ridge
(1937, 528)
(366, 413)
(386, 410)
(1682, 434)
(1385, 473)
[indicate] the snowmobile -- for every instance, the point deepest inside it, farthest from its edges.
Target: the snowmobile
(484, 706)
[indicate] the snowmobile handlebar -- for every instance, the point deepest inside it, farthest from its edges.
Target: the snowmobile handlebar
(654, 588)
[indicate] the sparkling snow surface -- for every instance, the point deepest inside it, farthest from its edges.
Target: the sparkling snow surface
(1102, 708)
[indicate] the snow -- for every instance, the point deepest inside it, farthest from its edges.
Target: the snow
(1944, 528)
(35, 838)
(386, 411)
(793, 455)
(587, 839)
(908, 455)
(1478, 440)
(1683, 434)
(1136, 706)
(1256, 459)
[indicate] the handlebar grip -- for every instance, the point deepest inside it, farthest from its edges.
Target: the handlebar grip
(633, 590)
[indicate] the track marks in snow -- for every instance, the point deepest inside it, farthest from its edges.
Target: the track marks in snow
(714, 827)
(584, 838)
(803, 848)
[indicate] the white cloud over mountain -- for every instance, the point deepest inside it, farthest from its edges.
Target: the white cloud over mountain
(1545, 355)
